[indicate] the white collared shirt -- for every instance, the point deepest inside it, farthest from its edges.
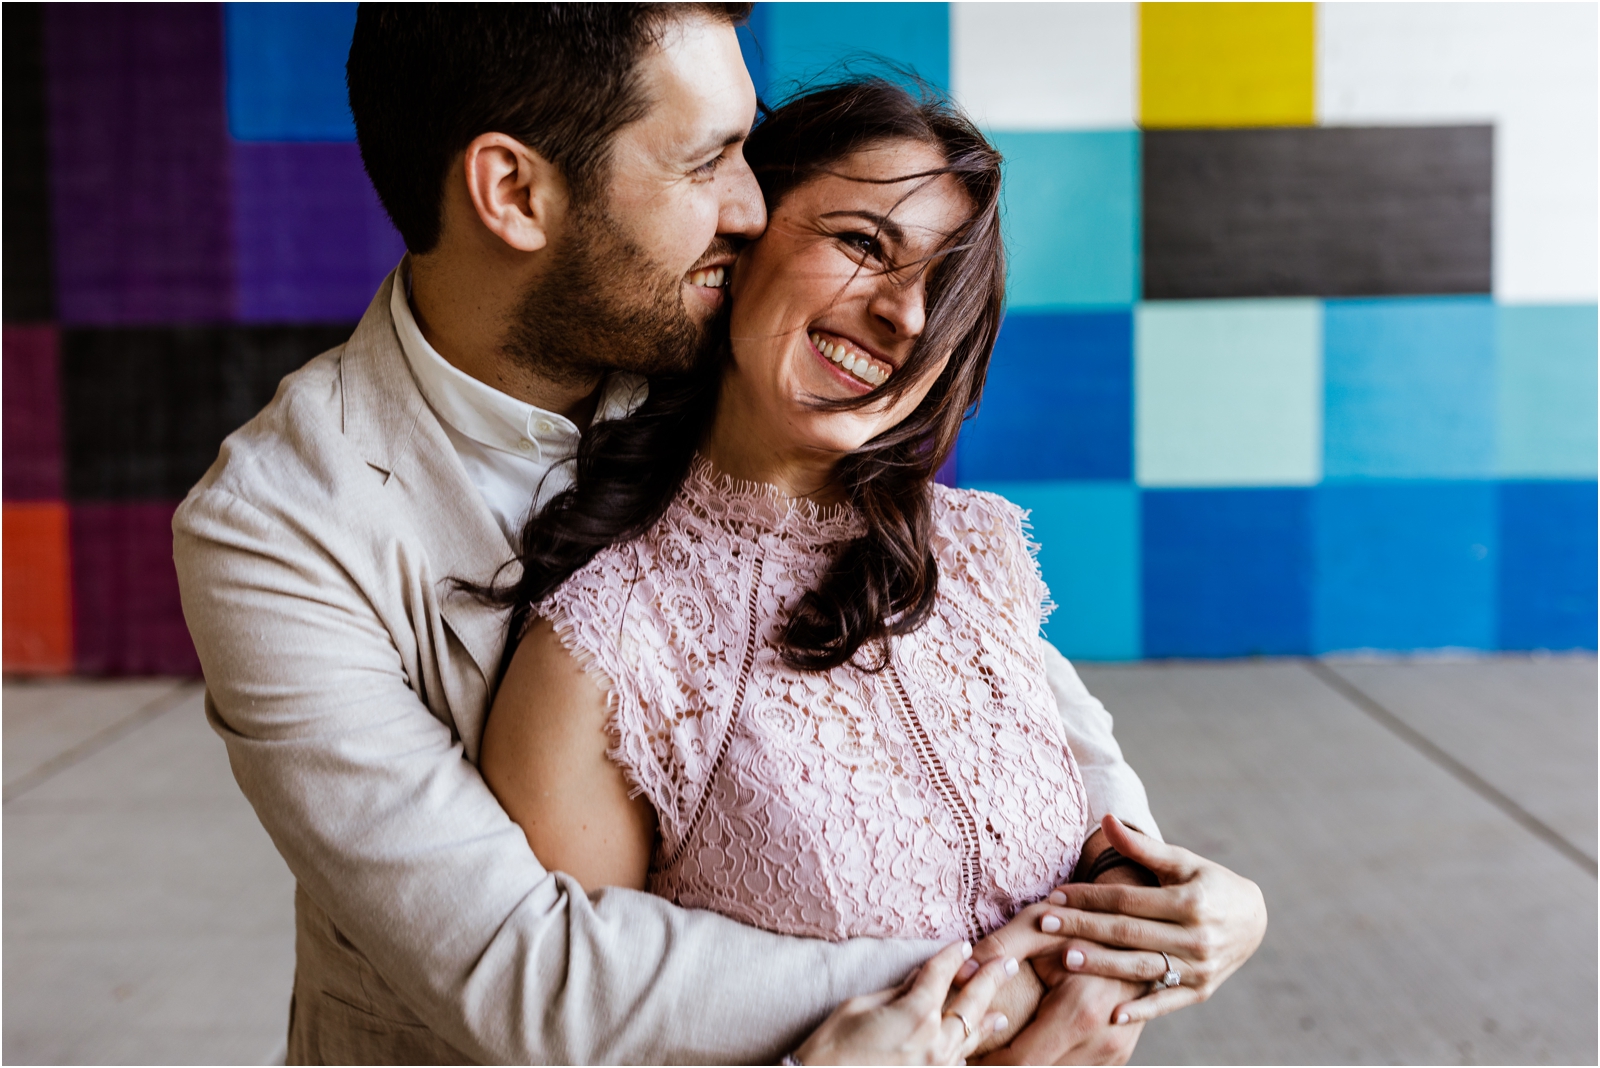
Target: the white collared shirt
(515, 454)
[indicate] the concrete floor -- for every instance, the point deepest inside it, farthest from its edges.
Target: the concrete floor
(1424, 831)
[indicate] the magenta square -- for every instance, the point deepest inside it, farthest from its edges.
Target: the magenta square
(127, 617)
(33, 468)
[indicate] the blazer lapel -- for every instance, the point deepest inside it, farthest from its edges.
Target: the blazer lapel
(387, 419)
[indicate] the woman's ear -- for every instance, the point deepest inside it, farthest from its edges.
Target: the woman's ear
(519, 196)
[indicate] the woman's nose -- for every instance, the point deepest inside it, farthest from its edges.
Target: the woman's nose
(899, 303)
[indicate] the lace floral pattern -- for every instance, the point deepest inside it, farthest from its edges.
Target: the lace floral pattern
(932, 799)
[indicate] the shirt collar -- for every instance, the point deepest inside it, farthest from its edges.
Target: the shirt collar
(486, 415)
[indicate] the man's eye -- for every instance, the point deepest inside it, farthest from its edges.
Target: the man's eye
(709, 167)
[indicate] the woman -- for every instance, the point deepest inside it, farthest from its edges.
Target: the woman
(768, 666)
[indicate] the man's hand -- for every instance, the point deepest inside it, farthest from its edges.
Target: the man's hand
(1206, 918)
(1073, 1023)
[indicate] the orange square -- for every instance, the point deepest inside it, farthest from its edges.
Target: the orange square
(37, 607)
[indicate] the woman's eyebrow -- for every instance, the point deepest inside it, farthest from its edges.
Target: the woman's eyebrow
(884, 225)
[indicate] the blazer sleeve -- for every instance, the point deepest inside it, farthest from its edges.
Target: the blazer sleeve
(392, 832)
(1111, 785)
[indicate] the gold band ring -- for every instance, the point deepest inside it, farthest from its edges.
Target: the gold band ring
(966, 1028)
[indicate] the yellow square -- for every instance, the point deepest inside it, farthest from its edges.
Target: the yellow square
(1205, 64)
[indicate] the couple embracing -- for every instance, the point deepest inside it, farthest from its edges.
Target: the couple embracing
(589, 633)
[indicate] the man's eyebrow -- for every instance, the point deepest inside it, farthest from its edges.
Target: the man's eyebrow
(717, 142)
(882, 223)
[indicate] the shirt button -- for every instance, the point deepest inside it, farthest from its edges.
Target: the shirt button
(544, 426)
(524, 445)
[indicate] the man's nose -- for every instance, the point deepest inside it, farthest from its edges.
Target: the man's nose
(742, 212)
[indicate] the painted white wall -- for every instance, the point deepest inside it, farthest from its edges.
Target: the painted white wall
(1529, 68)
(1045, 66)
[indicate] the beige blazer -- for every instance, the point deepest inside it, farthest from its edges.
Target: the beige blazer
(351, 686)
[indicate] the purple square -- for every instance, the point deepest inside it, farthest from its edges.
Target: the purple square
(314, 243)
(139, 163)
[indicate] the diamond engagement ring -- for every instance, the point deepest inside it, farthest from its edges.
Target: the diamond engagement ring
(1172, 978)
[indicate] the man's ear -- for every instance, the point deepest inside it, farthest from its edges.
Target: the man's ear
(519, 196)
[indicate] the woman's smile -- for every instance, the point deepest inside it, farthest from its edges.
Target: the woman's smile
(860, 371)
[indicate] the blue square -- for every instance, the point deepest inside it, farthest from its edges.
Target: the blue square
(1410, 388)
(801, 44)
(1089, 553)
(1227, 572)
(1404, 565)
(1547, 565)
(1071, 203)
(286, 71)
(1058, 403)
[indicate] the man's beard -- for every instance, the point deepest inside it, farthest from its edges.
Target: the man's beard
(602, 305)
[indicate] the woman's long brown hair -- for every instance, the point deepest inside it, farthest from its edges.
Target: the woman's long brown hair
(885, 581)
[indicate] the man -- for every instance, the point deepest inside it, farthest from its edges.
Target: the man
(569, 183)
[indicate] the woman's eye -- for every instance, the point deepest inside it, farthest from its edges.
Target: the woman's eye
(865, 244)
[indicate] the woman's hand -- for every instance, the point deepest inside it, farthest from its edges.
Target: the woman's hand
(1207, 919)
(913, 1024)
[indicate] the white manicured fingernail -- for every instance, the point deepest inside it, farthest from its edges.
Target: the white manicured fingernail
(1122, 1017)
(1074, 958)
(966, 950)
(1050, 924)
(967, 970)
(1057, 898)
(1012, 967)
(1000, 1022)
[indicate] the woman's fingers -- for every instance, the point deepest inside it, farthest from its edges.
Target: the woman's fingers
(932, 984)
(1170, 863)
(968, 1010)
(1021, 937)
(1132, 965)
(1114, 929)
(1158, 1004)
(1151, 902)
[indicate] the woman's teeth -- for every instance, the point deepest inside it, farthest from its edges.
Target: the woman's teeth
(711, 278)
(862, 366)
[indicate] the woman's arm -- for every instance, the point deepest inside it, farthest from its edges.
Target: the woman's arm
(544, 756)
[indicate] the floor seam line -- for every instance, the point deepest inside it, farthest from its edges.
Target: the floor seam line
(1463, 774)
(146, 713)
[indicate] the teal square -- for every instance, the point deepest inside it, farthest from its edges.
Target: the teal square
(1228, 392)
(1410, 388)
(1547, 384)
(1089, 553)
(1071, 202)
(800, 44)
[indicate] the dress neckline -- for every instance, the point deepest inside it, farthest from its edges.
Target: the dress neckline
(763, 508)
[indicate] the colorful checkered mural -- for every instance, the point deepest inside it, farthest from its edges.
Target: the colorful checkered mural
(1300, 353)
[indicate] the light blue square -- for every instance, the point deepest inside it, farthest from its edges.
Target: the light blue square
(1089, 538)
(1071, 203)
(1229, 392)
(799, 43)
(285, 71)
(1547, 391)
(1410, 388)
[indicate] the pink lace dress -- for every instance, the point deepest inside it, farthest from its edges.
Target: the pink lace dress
(932, 799)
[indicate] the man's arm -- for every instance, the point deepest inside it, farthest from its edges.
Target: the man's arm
(393, 833)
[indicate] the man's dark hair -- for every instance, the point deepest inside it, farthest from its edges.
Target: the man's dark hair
(425, 79)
